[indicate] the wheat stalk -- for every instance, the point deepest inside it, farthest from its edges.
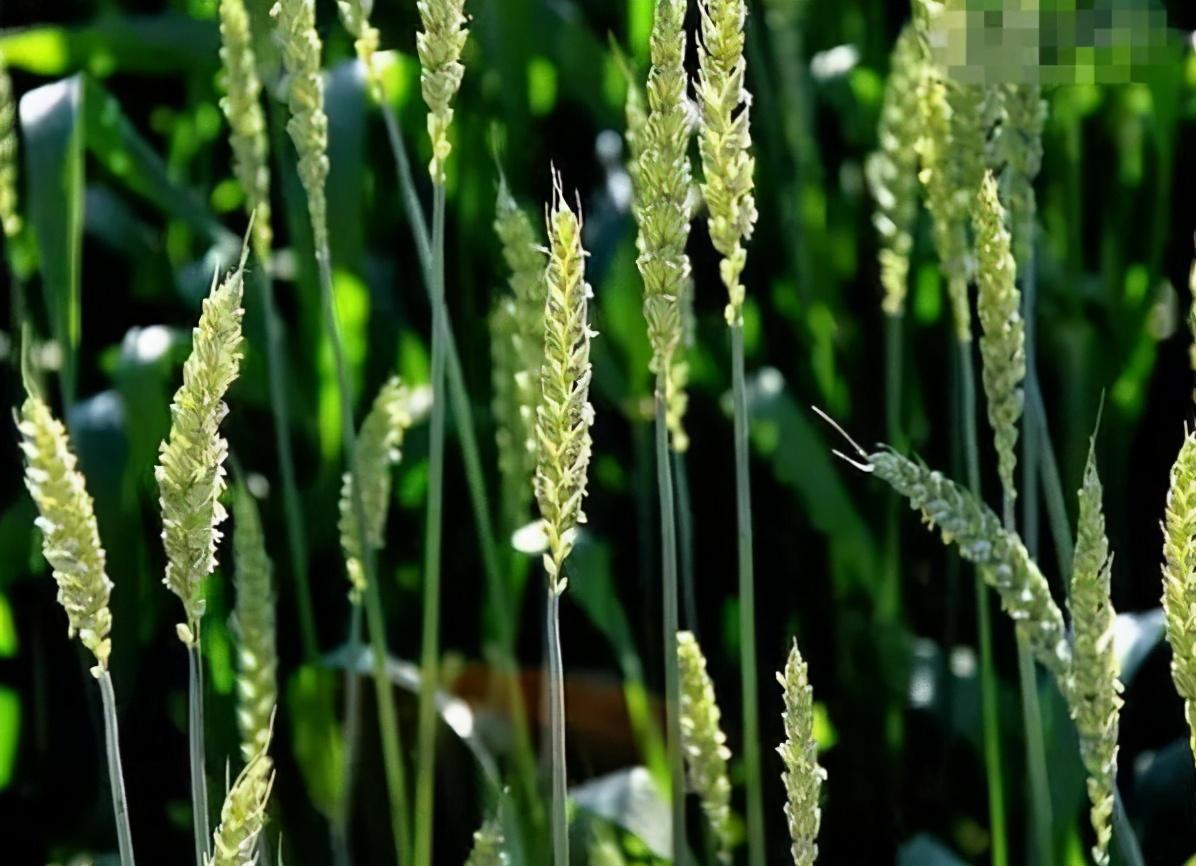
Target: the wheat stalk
(253, 625)
(704, 743)
(803, 777)
(243, 815)
(10, 219)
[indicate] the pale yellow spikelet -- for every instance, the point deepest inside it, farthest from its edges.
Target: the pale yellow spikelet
(439, 46)
(355, 15)
(1003, 336)
(247, 124)
(253, 625)
(243, 815)
(10, 220)
(308, 126)
(1179, 578)
(724, 141)
(488, 846)
(803, 776)
(1093, 689)
(703, 742)
(892, 170)
(190, 471)
(564, 415)
(70, 535)
(378, 448)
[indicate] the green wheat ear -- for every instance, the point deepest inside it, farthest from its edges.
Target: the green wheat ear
(1093, 688)
(488, 845)
(1179, 578)
(355, 15)
(243, 815)
(892, 170)
(803, 777)
(70, 535)
(253, 625)
(704, 743)
(190, 471)
(378, 448)
(10, 220)
(1025, 114)
(439, 47)
(564, 416)
(516, 463)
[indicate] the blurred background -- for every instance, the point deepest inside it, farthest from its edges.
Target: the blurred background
(136, 175)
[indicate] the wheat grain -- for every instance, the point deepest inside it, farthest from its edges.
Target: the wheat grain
(1093, 689)
(190, 471)
(243, 815)
(439, 46)
(1179, 577)
(803, 777)
(704, 743)
(253, 625)
(10, 220)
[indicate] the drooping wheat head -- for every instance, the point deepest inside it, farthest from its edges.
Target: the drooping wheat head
(803, 776)
(564, 415)
(1093, 688)
(246, 121)
(355, 16)
(253, 625)
(10, 220)
(70, 535)
(243, 815)
(661, 178)
(378, 448)
(892, 170)
(190, 471)
(1003, 561)
(488, 846)
(439, 46)
(725, 140)
(704, 743)
(1003, 334)
(308, 126)
(1179, 578)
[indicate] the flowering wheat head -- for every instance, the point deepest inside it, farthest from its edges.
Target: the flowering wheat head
(190, 470)
(439, 46)
(564, 416)
(378, 448)
(893, 170)
(1093, 689)
(253, 624)
(10, 220)
(725, 140)
(1003, 334)
(803, 777)
(355, 15)
(703, 742)
(243, 815)
(247, 125)
(308, 126)
(488, 846)
(1179, 578)
(70, 535)
(516, 462)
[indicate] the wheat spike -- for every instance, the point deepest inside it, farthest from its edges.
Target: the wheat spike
(1025, 114)
(564, 416)
(516, 462)
(10, 220)
(803, 777)
(439, 46)
(1093, 689)
(488, 846)
(247, 124)
(243, 815)
(70, 535)
(892, 170)
(1179, 577)
(724, 141)
(308, 126)
(1003, 334)
(355, 16)
(703, 742)
(190, 471)
(253, 625)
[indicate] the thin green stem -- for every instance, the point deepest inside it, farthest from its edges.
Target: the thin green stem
(292, 510)
(988, 676)
(668, 576)
(890, 601)
(747, 606)
(195, 741)
(1042, 821)
(392, 755)
(556, 718)
(116, 775)
(430, 651)
(685, 541)
(341, 848)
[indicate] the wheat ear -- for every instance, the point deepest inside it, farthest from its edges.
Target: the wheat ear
(803, 777)
(488, 846)
(355, 16)
(243, 815)
(253, 624)
(10, 219)
(1179, 577)
(439, 46)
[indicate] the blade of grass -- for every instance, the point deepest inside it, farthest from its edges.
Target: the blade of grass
(116, 775)
(341, 847)
(195, 741)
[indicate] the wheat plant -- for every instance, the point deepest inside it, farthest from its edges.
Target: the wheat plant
(704, 743)
(254, 626)
(243, 815)
(803, 776)
(1179, 577)
(10, 219)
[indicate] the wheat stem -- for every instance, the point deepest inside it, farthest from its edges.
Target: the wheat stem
(685, 541)
(341, 846)
(429, 653)
(116, 776)
(556, 724)
(195, 741)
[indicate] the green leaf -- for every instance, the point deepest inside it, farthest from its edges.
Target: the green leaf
(630, 799)
(10, 733)
(53, 135)
(315, 735)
